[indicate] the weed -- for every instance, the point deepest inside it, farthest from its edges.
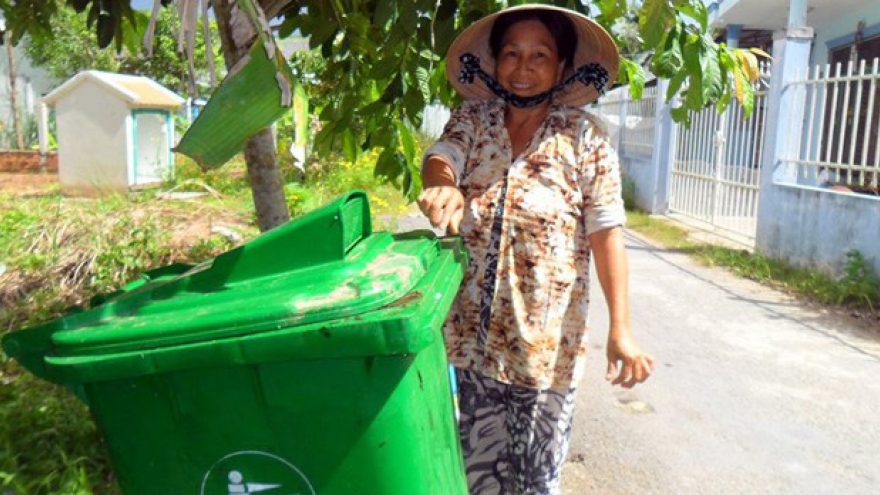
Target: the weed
(230, 179)
(628, 192)
(300, 199)
(859, 282)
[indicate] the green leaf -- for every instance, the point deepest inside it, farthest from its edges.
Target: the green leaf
(407, 141)
(388, 165)
(712, 81)
(132, 38)
(79, 5)
(723, 102)
(407, 184)
(247, 100)
(694, 67)
(359, 34)
(612, 9)
(694, 94)
(424, 83)
(408, 17)
(655, 19)
(635, 76)
(350, 146)
(106, 29)
(681, 115)
(394, 89)
(320, 33)
(748, 94)
(383, 13)
(669, 61)
(444, 27)
(287, 27)
(695, 9)
(675, 84)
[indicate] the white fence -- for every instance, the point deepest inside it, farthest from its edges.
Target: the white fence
(637, 134)
(630, 121)
(837, 145)
(716, 174)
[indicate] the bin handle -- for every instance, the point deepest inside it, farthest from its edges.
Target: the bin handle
(30, 347)
(321, 236)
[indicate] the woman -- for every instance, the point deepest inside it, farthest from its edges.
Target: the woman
(532, 185)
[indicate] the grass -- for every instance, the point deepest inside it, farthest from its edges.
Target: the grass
(60, 252)
(857, 288)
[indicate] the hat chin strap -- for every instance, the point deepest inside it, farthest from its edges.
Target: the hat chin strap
(591, 74)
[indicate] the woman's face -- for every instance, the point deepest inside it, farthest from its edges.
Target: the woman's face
(528, 62)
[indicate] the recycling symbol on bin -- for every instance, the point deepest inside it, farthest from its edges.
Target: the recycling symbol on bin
(254, 472)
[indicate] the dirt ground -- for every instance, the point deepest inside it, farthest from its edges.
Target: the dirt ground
(197, 221)
(24, 184)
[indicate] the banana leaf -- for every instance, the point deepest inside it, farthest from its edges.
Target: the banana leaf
(254, 94)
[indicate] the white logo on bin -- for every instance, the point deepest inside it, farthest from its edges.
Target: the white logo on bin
(247, 472)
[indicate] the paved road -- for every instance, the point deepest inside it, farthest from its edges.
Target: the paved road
(754, 393)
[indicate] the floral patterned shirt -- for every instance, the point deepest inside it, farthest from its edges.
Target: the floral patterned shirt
(526, 225)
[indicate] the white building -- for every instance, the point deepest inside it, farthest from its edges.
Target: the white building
(115, 132)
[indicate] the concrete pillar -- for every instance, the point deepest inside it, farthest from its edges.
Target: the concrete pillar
(734, 31)
(785, 114)
(797, 14)
(663, 156)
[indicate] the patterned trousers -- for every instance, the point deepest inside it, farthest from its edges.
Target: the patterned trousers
(514, 439)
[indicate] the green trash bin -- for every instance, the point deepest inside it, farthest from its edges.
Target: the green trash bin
(308, 361)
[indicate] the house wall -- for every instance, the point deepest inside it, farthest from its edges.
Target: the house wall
(92, 141)
(841, 31)
(815, 228)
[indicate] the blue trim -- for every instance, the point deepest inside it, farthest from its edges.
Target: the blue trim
(849, 39)
(169, 134)
(734, 31)
(134, 147)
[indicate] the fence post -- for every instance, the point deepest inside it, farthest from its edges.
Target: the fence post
(621, 118)
(663, 154)
(719, 141)
(785, 113)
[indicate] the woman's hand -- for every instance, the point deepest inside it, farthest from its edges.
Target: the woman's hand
(627, 364)
(444, 207)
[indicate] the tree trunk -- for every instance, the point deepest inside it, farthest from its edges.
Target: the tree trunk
(236, 37)
(13, 91)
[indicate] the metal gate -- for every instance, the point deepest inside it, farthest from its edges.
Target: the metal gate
(717, 170)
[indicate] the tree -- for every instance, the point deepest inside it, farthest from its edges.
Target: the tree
(385, 58)
(13, 93)
(72, 48)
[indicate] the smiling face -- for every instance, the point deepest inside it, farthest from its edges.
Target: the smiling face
(528, 61)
